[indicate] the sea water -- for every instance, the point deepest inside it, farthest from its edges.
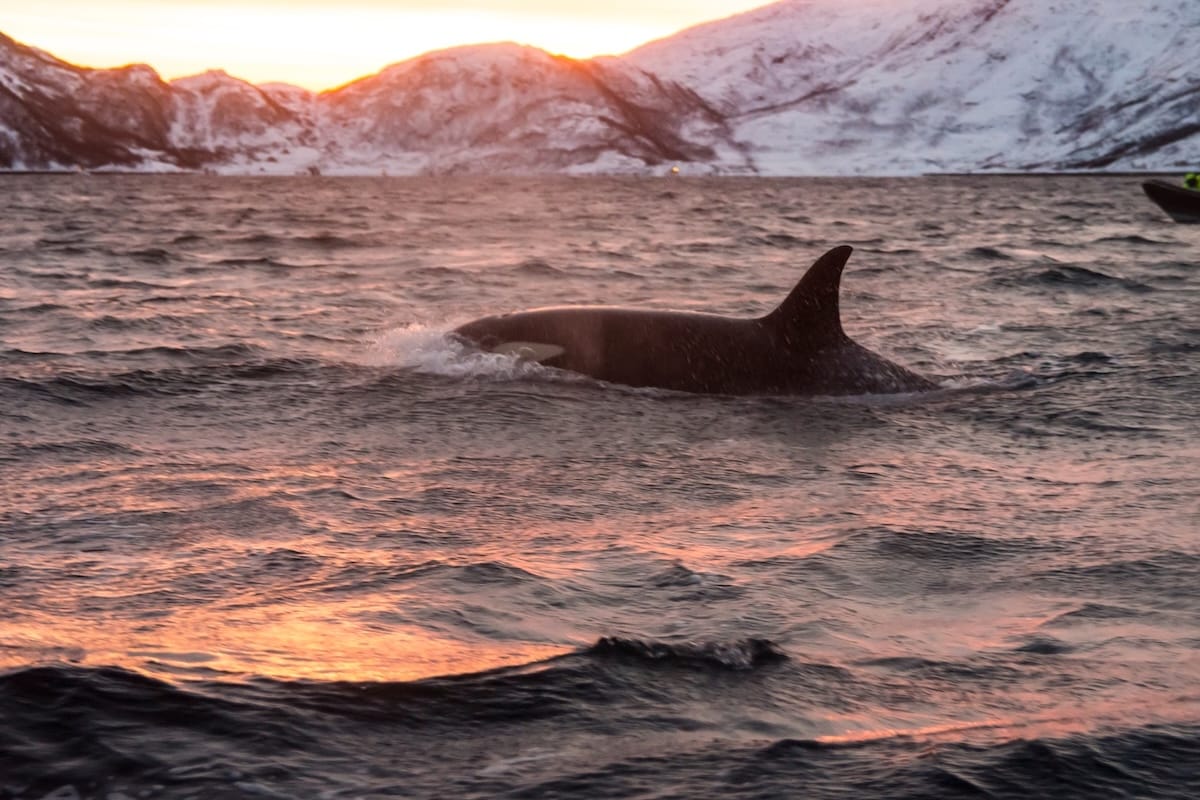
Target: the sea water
(267, 532)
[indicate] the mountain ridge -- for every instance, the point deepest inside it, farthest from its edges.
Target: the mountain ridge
(797, 87)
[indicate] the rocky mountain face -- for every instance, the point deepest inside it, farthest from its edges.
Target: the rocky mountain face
(798, 87)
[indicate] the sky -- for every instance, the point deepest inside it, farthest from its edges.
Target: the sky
(320, 44)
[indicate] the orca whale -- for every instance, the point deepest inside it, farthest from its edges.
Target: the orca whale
(797, 349)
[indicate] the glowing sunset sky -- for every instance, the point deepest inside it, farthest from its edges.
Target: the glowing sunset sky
(324, 43)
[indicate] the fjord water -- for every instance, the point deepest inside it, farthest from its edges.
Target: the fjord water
(267, 532)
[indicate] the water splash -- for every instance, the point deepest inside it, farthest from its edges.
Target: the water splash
(435, 351)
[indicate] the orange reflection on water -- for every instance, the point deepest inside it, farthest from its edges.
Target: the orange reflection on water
(317, 642)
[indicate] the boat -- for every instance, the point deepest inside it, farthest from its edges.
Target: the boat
(1181, 203)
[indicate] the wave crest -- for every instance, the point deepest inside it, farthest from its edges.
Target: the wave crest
(742, 654)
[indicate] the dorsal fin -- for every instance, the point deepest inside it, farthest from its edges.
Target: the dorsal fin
(813, 304)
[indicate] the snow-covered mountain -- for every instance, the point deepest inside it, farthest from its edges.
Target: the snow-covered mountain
(487, 108)
(933, 85)
(510, 108)
(798, 87)
(57, 116)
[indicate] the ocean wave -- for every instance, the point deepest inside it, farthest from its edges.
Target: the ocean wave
(330, 241)
(123, 283)
(884, 561)
(151, 255)
(259, 261)
(1087, 364)
(258, 239)
(1143, 762)
(959, 673)
(75, 388)
(990, 253)
(111, 323)
(1094, 612)
(1132, 238)
(1161, 580)
(81, 732)
(75, 246)
(743, 654)
(40, 687)
(218, 353)
(105, 730)
(536, 267)
(361, 579)
(1043, 645)
(36, 308)
(68, 450)
(1160, 347)
(436, 272)
(782, 241)
(1070, 277)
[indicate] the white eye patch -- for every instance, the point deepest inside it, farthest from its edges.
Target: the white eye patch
(530, 351)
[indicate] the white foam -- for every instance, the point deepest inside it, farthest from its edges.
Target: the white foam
(1016, 379)
(434, 351)
(505, 766)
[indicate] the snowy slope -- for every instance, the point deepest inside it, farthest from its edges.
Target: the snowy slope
(58, 116)
(838, 86)
(488, 108)
(506, 108)
(798, 87)
(215, 110)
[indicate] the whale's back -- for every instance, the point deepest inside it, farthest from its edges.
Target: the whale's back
(799, 348)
